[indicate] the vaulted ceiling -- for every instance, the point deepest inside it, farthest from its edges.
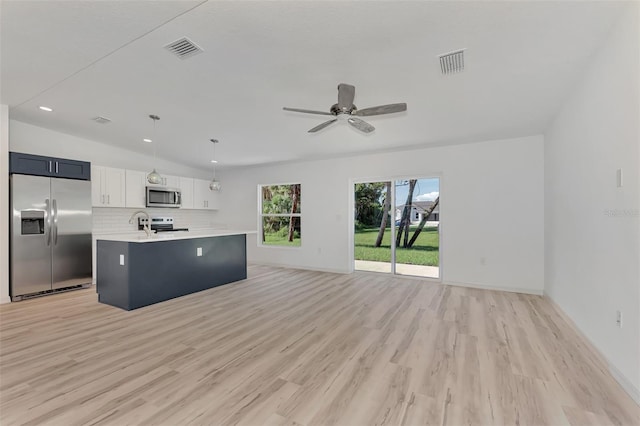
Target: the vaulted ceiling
(107, 58)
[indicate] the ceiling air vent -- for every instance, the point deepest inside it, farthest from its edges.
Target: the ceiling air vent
(101, 120)
(452, 62)
(183, 48)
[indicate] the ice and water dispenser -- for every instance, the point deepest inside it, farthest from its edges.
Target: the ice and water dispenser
(32, 222)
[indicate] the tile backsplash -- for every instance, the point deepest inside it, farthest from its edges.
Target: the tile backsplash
(116, 220)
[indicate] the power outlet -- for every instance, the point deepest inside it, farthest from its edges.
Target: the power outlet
(619, 318)
(199, 251)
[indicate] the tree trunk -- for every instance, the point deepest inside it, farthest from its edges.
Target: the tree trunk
(295, 196)
(425, 217)
(406, 215)
(385, 215)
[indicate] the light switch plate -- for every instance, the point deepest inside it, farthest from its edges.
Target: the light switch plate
(199, 251)
(122, 259)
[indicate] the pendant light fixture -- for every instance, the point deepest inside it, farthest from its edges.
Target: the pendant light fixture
(154, 177)
(214, 185)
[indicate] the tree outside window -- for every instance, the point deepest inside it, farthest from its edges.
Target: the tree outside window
(280, 215)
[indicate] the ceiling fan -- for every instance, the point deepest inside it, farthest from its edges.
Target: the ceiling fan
(346, 93)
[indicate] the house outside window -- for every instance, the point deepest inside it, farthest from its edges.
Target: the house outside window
(418, 210)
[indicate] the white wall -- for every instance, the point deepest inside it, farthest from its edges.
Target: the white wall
(4, 203)
(491, 208)
(592, 235)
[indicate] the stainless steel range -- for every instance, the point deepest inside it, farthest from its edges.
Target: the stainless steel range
(159, 224)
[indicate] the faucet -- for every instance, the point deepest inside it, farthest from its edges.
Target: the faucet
(145, 227)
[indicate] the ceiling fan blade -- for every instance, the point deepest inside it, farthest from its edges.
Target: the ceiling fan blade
(346, 93)
(361, 125)
(322, 126)
(308, 111)
(382, 109)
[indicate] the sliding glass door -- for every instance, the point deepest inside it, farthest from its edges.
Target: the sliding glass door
(372, 230)
(397, 227)
(417, 222)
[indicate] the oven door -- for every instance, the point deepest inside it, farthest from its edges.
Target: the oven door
(163, 197)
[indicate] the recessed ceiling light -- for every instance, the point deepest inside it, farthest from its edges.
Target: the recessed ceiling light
(214, 161)
(45, 108)
(147, 140)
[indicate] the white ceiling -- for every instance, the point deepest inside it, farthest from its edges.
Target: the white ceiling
(90, 58)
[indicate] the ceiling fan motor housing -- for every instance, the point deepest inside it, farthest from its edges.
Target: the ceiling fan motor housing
(335, 109)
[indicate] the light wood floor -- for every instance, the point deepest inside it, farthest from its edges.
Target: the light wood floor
(292, 347)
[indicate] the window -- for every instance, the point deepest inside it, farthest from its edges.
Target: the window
(280, 215)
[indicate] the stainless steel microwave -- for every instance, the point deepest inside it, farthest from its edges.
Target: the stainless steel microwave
(160, 196)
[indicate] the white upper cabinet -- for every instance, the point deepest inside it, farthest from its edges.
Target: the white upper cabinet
(107, 187)
(136, 183)
(203, 197)
(171, 181)
(168, 181)
(111, 187)
(186, 190)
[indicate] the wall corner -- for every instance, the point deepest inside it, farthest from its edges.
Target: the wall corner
(4, 204)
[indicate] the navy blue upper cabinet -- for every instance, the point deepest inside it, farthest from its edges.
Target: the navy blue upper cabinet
(38, 165)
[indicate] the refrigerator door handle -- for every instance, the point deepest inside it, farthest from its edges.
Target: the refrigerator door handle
(54, 204)
(47, 223)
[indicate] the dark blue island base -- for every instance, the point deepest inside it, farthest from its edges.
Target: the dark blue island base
(160, 270)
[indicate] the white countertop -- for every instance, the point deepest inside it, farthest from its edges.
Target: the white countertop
(141, 237)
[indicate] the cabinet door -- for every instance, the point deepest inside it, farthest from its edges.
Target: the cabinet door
(115, 184)
(200, 188)
(203, 197)
(186, 189)
(97, 191)
(28, 164)
(214, 196)
(171, 181)
(135, 190)
(71, 169)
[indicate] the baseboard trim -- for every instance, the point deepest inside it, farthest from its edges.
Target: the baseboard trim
(535, 292)
(628, 387)
(303, 268)
(622, 380)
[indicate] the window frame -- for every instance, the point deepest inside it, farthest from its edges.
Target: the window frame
(262, 215)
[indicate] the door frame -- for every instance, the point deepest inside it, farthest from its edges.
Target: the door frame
(393, 179)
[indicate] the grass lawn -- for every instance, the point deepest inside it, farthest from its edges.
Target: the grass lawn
(274, 239)
(423, 252)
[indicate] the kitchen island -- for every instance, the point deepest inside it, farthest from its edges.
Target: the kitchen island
(134, 270)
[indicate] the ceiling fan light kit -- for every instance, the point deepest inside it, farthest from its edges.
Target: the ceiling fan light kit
(345, 106)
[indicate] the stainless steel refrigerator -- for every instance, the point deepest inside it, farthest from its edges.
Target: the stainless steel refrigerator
(50, 234)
